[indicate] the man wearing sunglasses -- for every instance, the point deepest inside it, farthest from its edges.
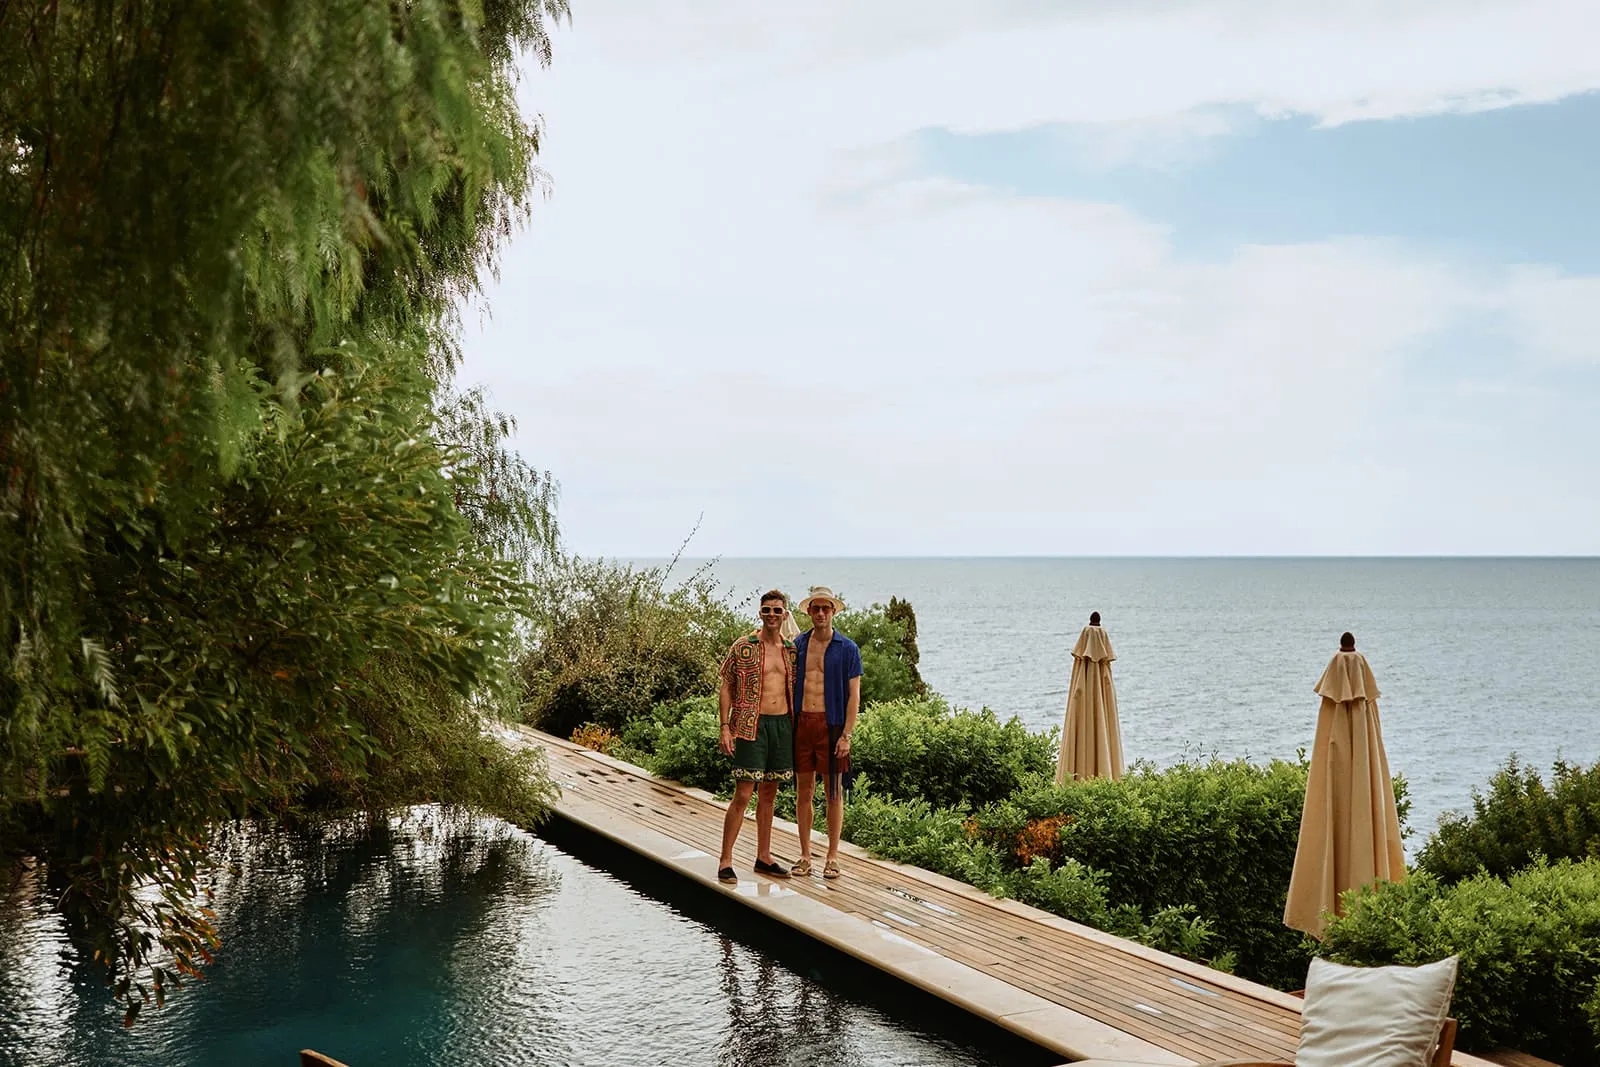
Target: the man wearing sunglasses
(754, 705)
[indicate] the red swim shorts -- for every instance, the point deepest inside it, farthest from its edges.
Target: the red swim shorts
(814, 742)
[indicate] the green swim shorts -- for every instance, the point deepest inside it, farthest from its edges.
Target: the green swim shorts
(770, 757)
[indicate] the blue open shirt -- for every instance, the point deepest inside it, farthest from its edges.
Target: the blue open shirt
(840, 663)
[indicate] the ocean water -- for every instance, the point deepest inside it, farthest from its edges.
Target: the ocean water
(438, 939)
(1476, 658)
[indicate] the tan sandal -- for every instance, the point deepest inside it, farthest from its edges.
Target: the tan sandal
(830, 869)
(801, 869)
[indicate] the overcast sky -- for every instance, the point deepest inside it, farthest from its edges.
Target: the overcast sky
(924, 277)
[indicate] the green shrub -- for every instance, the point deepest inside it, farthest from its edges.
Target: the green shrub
(1070, 890)
(1217, 837)
(940, 840)
(1529, 948)
(914, 832)
(1520, 819)
(641, 735)
(920, 749)
(613, 641)
(688, 746)
(1181, 930)
(900, 613)
(1080, 893)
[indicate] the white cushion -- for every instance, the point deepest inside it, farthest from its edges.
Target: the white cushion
(1373, 1016)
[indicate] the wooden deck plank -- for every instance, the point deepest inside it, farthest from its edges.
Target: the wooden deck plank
(1165, 1004)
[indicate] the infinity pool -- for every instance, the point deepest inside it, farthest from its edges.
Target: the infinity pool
(438, 938)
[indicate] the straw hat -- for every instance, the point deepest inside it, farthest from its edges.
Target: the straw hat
(821, 592)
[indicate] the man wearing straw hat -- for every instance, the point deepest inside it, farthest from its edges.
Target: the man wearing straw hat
(827, 697)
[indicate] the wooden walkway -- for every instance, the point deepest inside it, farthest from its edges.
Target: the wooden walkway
(1062, 985)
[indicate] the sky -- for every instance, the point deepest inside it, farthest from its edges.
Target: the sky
(1045, 277)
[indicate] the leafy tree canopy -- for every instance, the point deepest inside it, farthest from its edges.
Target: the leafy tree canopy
(256, 556)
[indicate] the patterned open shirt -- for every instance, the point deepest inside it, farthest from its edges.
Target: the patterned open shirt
(743, 667)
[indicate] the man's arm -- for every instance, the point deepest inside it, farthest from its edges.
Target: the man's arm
(851, 708)
(724, 706)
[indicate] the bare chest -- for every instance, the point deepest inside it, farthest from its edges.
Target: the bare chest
(774, 671)
(816, 660)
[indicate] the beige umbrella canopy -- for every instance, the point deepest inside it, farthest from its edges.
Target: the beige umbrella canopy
(1350, 830)
(1091, 741)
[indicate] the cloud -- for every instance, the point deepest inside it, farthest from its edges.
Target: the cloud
(1012, 64)
(997, 366)
(735, 303)
(1556, 317)
(1513, 185)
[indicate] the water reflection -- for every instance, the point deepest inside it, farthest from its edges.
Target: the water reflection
(34, 1000)
(776, 1016)
(440, 939)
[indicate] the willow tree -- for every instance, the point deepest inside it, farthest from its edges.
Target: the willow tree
(255, 557)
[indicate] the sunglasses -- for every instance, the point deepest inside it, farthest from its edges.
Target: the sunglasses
(773, 611)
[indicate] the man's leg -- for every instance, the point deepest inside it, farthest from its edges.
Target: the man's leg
(805, 812)
(778, 732)
(766, 796)
(732, 821)
(838, 767)
(835, 815)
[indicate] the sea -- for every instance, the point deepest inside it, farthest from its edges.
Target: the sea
(1478, 659)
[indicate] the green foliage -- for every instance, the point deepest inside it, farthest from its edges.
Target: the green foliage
(1520, 819)
(687, 744)
(900, 613)
(1529, 946)
(612, 641)
(1068, 889)
(1216, 837)
(1182, 931)
(641, 734)
(887, 637)
(921, 749)
(941, 840)
(915, 832)
(428, 747)
(252, 554)
(509, 505)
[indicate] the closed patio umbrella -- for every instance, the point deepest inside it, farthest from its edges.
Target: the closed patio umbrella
(1350, 829)
(1091, 740)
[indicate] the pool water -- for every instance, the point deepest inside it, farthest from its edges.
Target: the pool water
(440, 938)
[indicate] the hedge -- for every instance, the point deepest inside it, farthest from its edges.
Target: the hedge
(1529, 948)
